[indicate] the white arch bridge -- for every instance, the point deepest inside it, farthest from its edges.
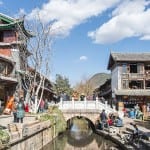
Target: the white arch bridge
(88, 109)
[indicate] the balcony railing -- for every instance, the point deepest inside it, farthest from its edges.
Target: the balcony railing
(133, 75)
(8, 75)
(147, 74)
(136, 75)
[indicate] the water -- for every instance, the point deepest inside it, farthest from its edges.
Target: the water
(72, 140)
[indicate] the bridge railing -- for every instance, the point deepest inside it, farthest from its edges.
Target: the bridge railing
(85, 105)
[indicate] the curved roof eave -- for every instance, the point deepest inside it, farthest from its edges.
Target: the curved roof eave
(14, 23)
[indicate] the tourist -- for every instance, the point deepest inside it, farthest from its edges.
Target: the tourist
(82, 97)
(144, 110)
(103, 118)
(20, 110)
(135, 131)
(46, 105)
(136, 108)
(148, 109)
(8, 108)
(14, 110)
(41, 107)
(110, 121)
(139, 115)
(118, 122)
(124, 111)
(27, 107)
(132, 113)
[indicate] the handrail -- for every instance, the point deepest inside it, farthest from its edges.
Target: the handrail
(85, 105)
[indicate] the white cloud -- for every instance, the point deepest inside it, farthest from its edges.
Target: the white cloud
(129, 19)
(22, 11)
(66, 14)
(20, 14)
(83, 58)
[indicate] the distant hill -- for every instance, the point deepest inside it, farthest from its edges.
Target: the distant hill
(99, 79)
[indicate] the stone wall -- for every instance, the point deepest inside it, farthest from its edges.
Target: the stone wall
(33, 142)
(30, 136)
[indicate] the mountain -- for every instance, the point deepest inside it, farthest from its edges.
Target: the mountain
(99, 79)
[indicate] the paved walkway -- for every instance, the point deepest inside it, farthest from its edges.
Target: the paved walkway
(8, 119)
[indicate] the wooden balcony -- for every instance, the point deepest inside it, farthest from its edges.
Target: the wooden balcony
(5, 79)
(133, 76)
(136, 75)
(147, 74)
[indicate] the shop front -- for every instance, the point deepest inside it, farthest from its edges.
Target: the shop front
(128, 99)
(7, 88)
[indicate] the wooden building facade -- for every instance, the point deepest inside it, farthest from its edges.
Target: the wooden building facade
(13, 58)
(130, 78)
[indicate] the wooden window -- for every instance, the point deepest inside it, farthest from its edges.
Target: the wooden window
(133, 68)
(125, 84)
(1, 36)
(124, 68)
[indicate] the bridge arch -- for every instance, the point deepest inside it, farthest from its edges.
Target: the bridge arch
(91, 124)
(89, 115)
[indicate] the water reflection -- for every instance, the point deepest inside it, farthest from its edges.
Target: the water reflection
(79, 134)
(69, 141)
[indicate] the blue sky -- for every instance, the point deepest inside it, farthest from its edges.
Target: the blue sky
(91, 30)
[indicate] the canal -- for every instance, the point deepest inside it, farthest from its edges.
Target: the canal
(92, 142)
(80, 136)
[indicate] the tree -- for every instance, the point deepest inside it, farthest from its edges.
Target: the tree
(62, 85)
(36, 67)
(84, 86)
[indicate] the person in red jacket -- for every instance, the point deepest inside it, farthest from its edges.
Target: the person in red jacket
(110, 121)
(27, 107)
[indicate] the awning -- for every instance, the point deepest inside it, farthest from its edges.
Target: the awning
(137, 92)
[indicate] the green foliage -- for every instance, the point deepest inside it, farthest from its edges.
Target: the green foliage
(62, 85)
(4, 136)
(56, 118)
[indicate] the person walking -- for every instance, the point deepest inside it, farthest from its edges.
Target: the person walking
(103, 118)
(46, 105)
(14, 110)
(20, 110)
(41, 107)
(136, 109)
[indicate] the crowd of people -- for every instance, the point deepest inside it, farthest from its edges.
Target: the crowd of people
(105, 121)
(137, 112)
(18, 107)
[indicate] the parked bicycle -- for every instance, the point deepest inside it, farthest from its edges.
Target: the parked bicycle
(130, 139)
(133, 138)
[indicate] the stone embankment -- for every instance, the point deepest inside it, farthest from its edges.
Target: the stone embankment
(32, 134)
(116, 134)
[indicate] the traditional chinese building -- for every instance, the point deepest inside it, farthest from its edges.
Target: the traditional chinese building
(130, 78)
(11, 54)
(13, 57)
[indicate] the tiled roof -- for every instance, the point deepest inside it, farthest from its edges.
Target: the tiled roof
(131, 56)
